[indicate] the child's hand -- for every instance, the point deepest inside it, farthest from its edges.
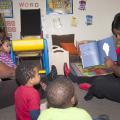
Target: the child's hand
(43, 85)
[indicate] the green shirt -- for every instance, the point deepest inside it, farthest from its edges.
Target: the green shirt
(72, 113)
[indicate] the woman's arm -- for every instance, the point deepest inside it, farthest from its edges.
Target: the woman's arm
(116, 70)
(110, 64)
(6, 71)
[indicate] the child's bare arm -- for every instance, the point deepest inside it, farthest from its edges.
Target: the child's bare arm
(43, 85)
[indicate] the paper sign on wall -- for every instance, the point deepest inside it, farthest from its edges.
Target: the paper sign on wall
(74, 22)
(82, 5)
(89, 19)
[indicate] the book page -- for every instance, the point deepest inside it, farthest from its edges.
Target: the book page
(107, 48)
(89, 54)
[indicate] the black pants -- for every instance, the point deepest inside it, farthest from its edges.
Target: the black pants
(79, 80)
(106, 86)
(7, 89)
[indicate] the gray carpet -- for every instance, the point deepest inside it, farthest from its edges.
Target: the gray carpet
(98, 106)
(95, 107)
(7, 113)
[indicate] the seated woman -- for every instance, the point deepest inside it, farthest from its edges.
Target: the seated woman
(106, 86)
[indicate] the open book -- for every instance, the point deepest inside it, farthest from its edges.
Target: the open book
(94, 53)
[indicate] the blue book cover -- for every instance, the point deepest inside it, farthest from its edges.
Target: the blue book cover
(94, 53)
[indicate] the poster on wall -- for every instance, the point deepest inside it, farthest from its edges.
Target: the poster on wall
(82, 5)
(89, 19)
(6, 7)
(59, 6)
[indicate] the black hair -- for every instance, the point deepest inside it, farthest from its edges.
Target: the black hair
(25, 72)
(3, 36)
(60, 92)
(5, 40)
(116, 22)
(1, 30)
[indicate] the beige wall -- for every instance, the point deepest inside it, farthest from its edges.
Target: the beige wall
(103, 12)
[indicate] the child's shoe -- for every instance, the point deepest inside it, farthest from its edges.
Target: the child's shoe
(102, 117)
(85, 86)
(53, 73)
(66, 70)
(88, 96)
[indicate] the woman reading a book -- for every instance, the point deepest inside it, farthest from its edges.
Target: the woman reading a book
(104, 86)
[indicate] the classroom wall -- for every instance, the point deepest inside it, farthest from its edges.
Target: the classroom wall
(102, 11)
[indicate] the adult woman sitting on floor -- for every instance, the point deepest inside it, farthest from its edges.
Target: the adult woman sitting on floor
(106, 86)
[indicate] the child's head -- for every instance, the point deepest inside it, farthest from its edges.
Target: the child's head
(2, 34)
(27, 74)
(60, 93)
(116, 26)
(5, 45)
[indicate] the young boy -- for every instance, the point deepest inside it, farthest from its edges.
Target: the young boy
(61, 99)
(27, 98)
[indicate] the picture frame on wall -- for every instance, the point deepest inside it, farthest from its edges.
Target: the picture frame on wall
(6, 7)
(59, 6)
(3, 25)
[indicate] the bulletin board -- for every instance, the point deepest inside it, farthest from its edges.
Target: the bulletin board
(30, 22)
(6, 7)
(59, 6)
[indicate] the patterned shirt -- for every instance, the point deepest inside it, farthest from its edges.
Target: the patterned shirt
(5, 58)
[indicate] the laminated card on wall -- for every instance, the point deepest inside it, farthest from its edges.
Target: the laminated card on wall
(94, 53)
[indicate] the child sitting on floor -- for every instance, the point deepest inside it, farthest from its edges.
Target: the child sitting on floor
(27, 98)
(7, 67)
(61, 100)
(5, 53)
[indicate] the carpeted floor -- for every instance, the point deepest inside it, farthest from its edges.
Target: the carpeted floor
(95, 107)
(98, 106)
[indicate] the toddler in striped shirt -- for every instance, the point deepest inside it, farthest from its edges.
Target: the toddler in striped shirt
(5, 53)
(6, 63)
